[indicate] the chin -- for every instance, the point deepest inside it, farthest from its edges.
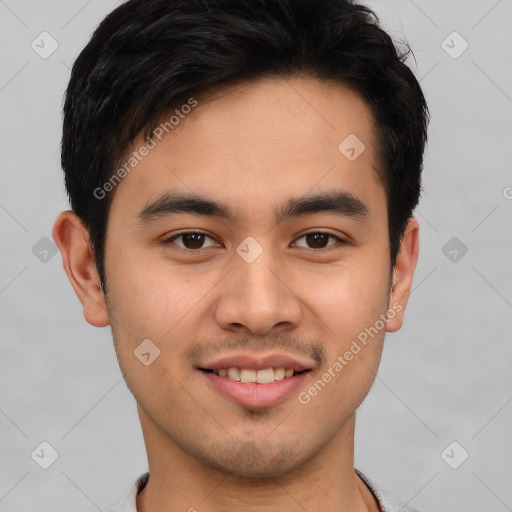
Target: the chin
(253, 462)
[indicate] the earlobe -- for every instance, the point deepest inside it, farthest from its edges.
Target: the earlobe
(403, 274)
(72, 239)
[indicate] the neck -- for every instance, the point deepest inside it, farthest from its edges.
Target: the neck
(180, 482)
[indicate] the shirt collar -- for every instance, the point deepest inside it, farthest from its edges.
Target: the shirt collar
(387, 503)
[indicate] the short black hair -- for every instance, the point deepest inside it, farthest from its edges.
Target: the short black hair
(150, 56)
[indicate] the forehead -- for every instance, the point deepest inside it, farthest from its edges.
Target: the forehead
(270, 136)
(297, 116)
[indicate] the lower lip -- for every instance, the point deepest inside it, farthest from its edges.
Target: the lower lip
(252, 394)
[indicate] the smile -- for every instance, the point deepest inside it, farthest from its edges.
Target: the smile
(248, 375)
(255, 388)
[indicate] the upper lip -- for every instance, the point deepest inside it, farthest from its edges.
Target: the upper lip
(259, 362)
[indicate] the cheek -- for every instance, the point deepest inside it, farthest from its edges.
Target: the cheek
(351, 294)
(154, 298)
(349, 303)
(149, 302)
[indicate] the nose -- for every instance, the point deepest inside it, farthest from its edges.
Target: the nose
(257, 297)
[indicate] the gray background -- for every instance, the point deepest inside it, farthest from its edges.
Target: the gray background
(444, 377)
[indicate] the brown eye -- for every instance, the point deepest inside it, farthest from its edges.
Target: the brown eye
(319, 240)
(191, 240)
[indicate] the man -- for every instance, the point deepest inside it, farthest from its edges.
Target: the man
(243, 177)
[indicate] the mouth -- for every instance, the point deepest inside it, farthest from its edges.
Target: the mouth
(248, 375)
(248, 387)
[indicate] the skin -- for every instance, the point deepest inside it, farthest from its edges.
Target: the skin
(252, 147)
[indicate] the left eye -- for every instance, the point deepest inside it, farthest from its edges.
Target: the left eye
(319, 240)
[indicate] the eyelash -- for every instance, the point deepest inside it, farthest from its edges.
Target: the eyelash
(182, 233)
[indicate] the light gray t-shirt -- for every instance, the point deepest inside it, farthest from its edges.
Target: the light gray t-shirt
(386, 502)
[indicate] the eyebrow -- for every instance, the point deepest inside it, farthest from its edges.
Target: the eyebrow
(341, 203)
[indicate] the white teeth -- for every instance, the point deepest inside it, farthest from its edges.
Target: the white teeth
(265, 376)
(279, 373)
(233, 373)
(260, 376)
(248, 375)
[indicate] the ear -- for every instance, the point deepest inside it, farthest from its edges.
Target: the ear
(403, 275)
(72, 239)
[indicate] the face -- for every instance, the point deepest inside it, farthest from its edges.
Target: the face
(279, 259)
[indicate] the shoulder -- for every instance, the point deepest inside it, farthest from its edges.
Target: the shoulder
(387, 502)
(129, 501)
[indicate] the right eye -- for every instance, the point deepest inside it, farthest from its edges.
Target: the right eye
(191, 240)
